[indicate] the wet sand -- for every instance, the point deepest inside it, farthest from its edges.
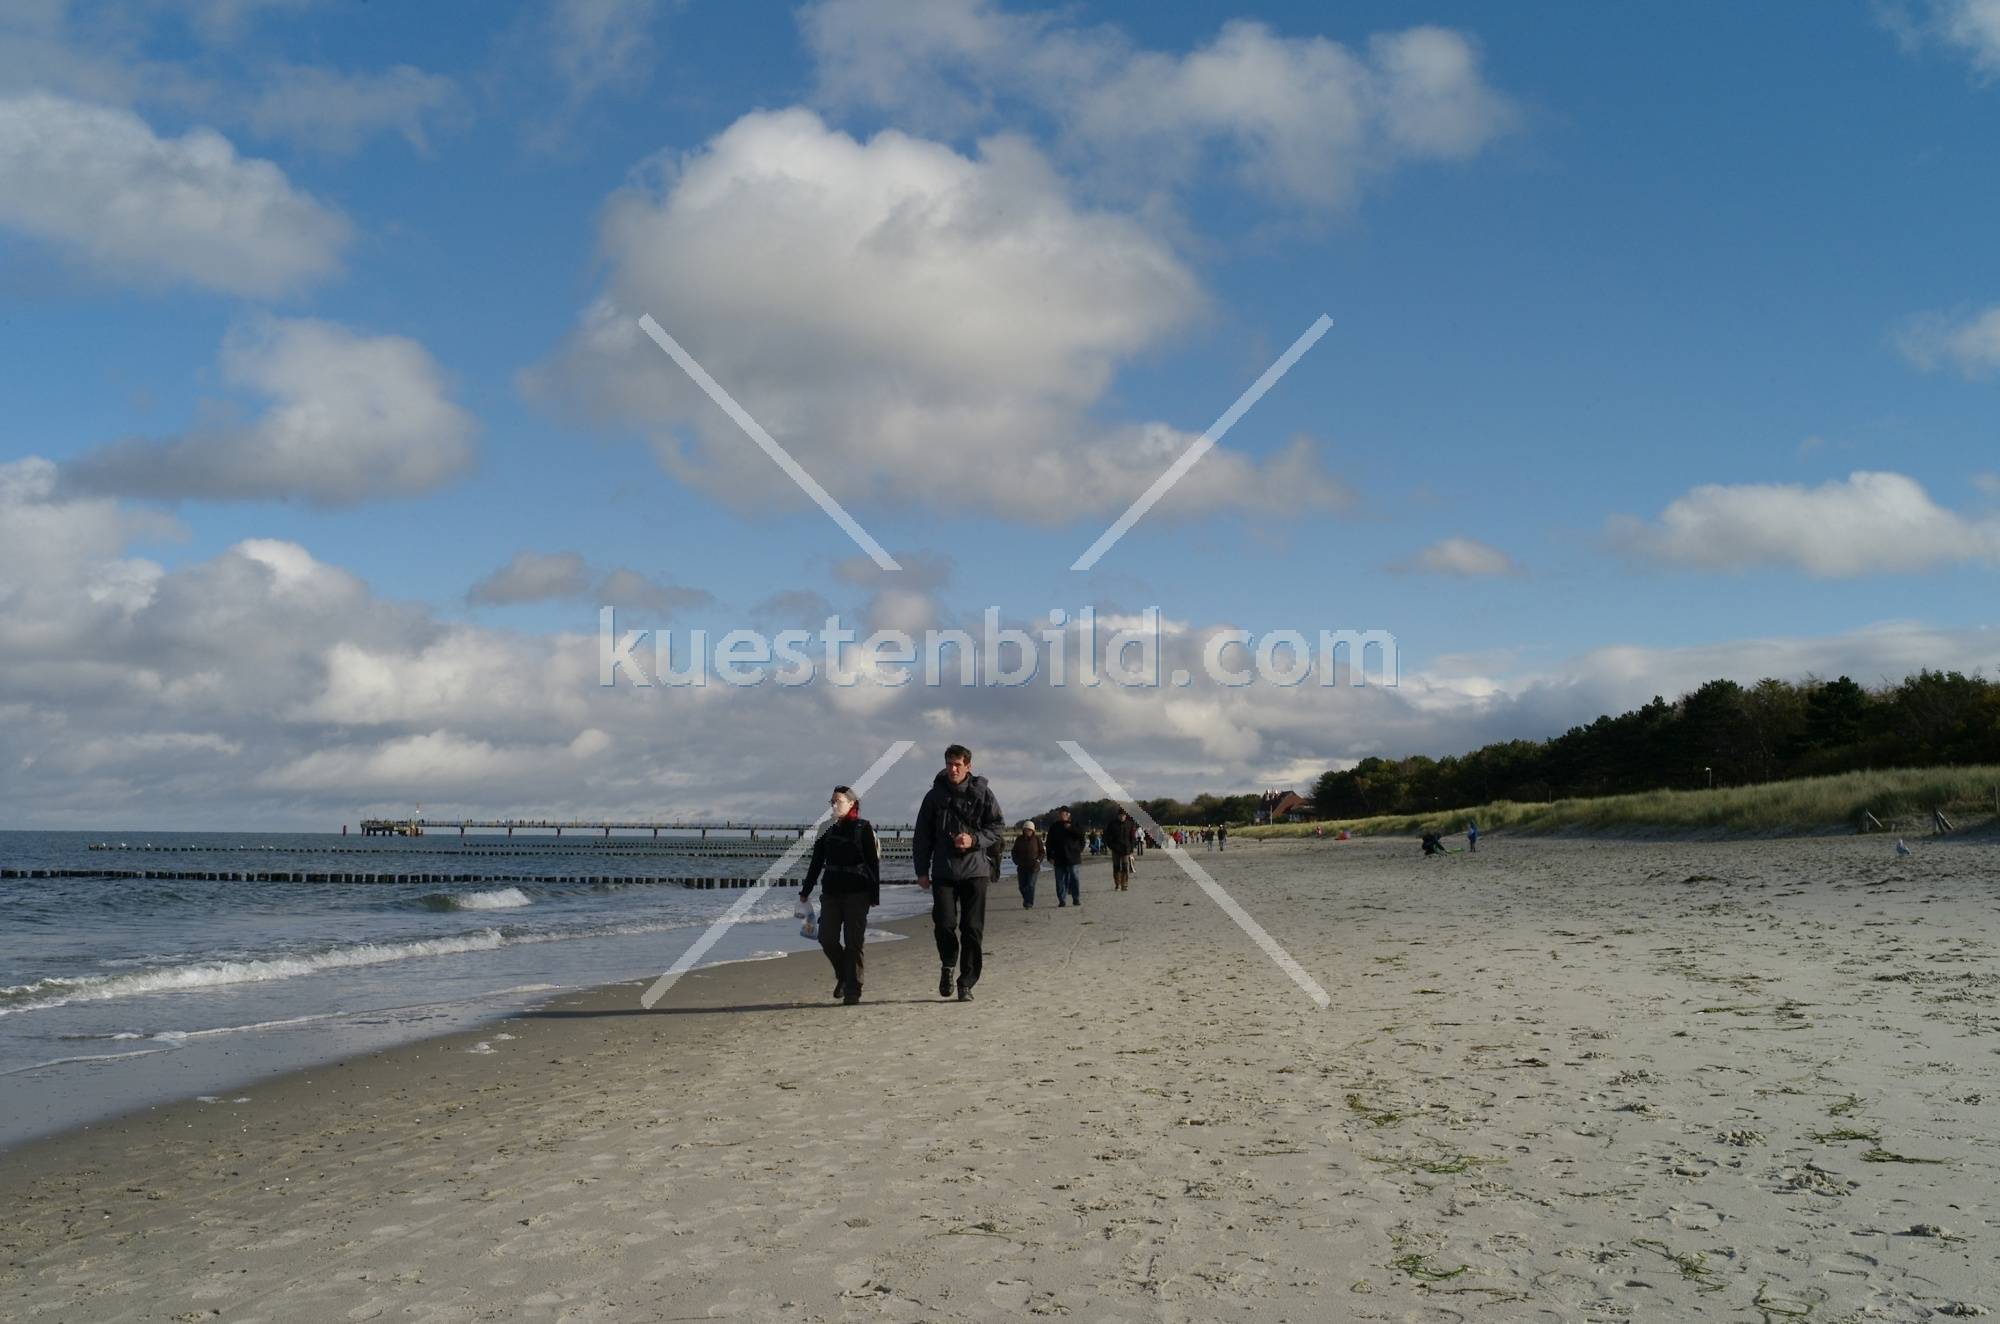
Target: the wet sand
(1560, 1080)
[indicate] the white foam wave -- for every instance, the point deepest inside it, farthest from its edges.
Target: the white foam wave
(60, 992)
(88, 1057)
(56, 991)
(505, 898)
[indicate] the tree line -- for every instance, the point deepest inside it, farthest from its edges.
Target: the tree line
(1203, 811)
(1723, 734)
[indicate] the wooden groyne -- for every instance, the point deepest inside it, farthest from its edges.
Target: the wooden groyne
(427, 879)
(418, 827)
(739, 846)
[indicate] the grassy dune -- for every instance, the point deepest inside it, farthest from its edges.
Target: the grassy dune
(1812, 804)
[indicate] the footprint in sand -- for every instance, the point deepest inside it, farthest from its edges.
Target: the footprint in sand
(1698, 1216)
(1010, 1294)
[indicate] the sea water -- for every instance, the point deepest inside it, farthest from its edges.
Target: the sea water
(116, 993)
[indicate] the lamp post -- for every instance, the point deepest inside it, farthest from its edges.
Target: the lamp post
(1711, 777)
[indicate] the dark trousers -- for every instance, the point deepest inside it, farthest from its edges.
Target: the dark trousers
(1066, 883)
(958, 914)
(843, 923)
(1025, 875)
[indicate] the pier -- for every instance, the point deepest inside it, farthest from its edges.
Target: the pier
(417, 827)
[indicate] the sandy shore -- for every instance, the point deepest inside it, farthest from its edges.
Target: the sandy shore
(1559, 1081)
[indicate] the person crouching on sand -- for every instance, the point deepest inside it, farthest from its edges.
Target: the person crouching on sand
(958, 822)
(848, 858)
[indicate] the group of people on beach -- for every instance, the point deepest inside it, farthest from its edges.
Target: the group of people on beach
(956, 852)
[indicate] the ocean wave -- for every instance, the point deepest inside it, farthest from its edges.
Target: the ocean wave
(505, 898)
(57, 991)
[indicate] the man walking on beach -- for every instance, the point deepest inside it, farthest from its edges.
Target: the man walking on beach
(1065, 847)
(1119, 834)
(957, 824)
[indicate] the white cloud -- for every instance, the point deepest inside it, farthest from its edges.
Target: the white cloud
(98, 185)
(1970, 345)
(1465, 558)
(226, 20)
(263, 687)
(566, 577)
(337, 111)
(102, 56)
(1871, 523)
(577, 51)
(1988, 483)
(792, 608)
(352, 418)
(623, 587)
(533, 577)
(434, 765)
(94, 56)
(595, 44)
(913, 324)
(1301, 119)
(1973, 26)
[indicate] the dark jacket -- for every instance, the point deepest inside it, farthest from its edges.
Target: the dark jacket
(1028, 851)
(850, 858)
(1119, 834)
(1065, 843)
(948, 810)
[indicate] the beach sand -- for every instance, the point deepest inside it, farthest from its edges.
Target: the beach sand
(1560, 1080)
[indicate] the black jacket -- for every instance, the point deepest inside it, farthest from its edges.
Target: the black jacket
(850, 858)
(1065, 843)
(1119, 836)
(947, 811)
(1028, 851)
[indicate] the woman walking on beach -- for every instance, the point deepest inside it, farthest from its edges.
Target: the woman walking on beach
(849, 860)
(1027, 862)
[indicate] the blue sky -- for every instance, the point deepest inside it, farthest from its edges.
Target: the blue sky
(1621, 299)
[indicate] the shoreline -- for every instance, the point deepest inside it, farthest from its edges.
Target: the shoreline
(1572, 1081)
(731, 980)
(910, 927)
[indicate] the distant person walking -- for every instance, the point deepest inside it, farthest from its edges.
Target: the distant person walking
(1065, 847)
(1028, 852)
(1222, 837)
(1120, 835)
(847, 859)
(957, 824)
(1472, 835)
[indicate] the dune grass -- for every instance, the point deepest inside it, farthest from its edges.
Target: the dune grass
(1810, 804)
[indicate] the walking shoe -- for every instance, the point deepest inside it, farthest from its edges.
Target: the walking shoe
(944, 983)
(839, 987)
(964, 992)
(852, 996)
